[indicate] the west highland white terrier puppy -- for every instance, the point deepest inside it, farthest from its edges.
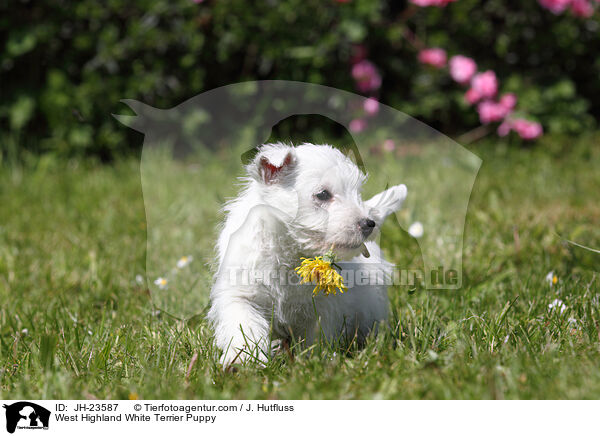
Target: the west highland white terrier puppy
(298, 202)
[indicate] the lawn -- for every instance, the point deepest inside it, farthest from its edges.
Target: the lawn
(76, 323)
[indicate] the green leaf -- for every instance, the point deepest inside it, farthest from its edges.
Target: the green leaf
(21, 112)
(20, 43)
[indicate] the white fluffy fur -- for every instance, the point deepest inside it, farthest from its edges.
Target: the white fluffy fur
(274, 221)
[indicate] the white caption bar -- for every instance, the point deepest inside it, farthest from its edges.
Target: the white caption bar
(96, 417)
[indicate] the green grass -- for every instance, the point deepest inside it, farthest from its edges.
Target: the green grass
(74, 323)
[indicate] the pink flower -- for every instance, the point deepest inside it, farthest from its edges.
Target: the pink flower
(555, 6)
(462, 68)
(527, 129)
(582, 8)
(425, 3)
(472, 96)
(366, 75)
(435, 57)
(357, 125)
(389, 145)
(509, 101)
(504, 128)
(490, 111)
(371, 106)
(485, 84)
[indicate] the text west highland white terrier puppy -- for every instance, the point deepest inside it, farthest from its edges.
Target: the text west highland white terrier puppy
(298, 202)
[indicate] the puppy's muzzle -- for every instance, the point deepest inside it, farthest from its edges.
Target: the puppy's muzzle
(366, 226)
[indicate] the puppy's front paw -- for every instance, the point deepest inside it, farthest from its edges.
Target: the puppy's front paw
(243, 356)
(230, 357)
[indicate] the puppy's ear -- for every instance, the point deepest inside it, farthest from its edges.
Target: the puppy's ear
(273, 166)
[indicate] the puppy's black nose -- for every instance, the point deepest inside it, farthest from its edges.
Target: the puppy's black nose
(366, 226)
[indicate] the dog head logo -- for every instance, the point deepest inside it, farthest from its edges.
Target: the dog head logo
(390, 146)
(26, 415)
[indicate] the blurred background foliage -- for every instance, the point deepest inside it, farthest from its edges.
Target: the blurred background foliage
(65, 65)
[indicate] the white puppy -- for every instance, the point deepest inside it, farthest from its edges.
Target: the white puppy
(298, 202)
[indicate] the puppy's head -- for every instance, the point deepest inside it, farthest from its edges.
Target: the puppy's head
(318, 189)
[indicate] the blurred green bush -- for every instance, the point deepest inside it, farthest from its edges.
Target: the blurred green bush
(65, 65)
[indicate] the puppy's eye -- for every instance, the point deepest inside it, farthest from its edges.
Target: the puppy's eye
(324, 195)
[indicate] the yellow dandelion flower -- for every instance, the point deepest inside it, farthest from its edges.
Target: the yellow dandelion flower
(133, 396)
(320, 271)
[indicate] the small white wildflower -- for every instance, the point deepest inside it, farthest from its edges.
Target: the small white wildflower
(139, 279)
(551, 278)
(90, 332)
(184, 261)
(161, 282)
(24, 332)
(416, 229)
(73, 317)
(557, 304)
(574, 325)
